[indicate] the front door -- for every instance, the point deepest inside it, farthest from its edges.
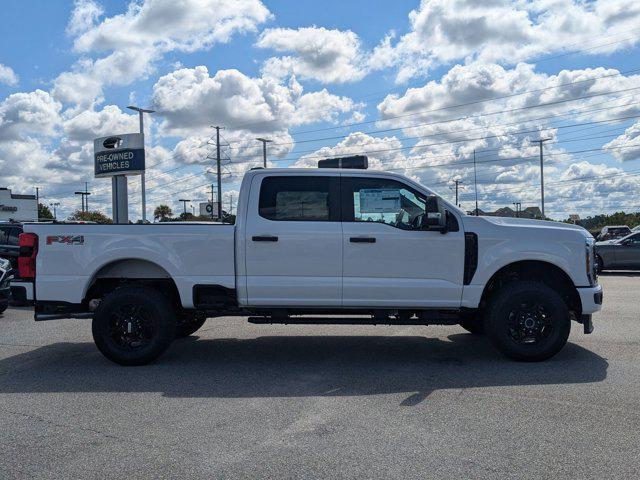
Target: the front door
(389, 259)
(294, 241)
(628, 252)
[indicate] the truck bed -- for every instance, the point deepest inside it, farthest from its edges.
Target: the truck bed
(70, 255)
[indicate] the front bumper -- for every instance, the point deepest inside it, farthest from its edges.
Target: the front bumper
(591, 299)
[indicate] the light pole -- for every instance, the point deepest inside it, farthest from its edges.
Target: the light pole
(264, 149)
(184, 204)
(540, 142)
(54, 205)
(141, 112)
(475, 181)
(518, 208)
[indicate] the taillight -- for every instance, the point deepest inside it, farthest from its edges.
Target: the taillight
(28, 243)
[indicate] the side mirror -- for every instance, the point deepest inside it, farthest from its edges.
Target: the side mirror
(433, 220)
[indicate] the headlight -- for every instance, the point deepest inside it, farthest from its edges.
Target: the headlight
(590, 263)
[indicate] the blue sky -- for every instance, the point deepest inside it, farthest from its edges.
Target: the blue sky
(415, 85)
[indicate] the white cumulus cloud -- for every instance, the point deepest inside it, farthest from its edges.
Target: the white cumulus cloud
(329, 56)
(8, 76)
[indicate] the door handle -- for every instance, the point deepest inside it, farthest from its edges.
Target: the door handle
(264, 238)
(362, 240)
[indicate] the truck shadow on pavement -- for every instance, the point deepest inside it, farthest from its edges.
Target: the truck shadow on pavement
(297, 366)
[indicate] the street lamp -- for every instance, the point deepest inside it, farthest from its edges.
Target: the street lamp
(184, 203)
(264, 149)
(54, 205)
(518, 208)
(141, 112)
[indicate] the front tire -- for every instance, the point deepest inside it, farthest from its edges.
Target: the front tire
(189, 323)
(133, 325)
(473, 323)
(528, 321)
(3, 306)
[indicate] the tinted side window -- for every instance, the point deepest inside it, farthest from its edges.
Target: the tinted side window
(634, 239)
(14, 234)
(3, 235)
(305, 198)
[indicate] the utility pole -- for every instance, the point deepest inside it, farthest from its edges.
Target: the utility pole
(86, 192)
(54, 205)
(141, 112)
(518, 208)
(184, 204)
(457, 183)
(264, 149)
(212, 216)
(84, 195)
(219, 173)
(475, 180)
(540, 143)
(231, 204)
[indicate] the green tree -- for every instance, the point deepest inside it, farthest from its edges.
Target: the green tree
(186, 217)
(44, 213)
(162, 213)
(94, 216)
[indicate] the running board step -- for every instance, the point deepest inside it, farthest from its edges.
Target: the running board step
(427, 318)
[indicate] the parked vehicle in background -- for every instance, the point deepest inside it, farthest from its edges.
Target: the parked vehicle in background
(612, 232)
(21, 291)
(370, 247)
(5, 280)
(9, 234)
(619, 254)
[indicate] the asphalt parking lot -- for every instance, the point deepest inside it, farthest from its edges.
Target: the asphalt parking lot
(247, 401)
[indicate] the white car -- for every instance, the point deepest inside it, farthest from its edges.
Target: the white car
(373, 247)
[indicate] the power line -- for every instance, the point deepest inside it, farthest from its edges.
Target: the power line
(474, 102)
(519, 122)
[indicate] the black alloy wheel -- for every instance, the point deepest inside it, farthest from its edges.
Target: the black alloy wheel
(133, 325)
(528, 321)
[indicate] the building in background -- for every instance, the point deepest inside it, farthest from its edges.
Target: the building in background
(21, 208)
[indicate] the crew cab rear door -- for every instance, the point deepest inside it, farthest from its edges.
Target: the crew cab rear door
(389, 260)
(293, 241)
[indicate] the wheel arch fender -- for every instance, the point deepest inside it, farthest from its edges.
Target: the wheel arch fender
(529, 269)
(131, 268)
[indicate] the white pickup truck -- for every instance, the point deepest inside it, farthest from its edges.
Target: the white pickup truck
(319, 245)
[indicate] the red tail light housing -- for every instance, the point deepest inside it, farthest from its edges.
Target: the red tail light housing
(28, 243)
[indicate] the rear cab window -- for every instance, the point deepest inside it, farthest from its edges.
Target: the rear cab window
(289, 198)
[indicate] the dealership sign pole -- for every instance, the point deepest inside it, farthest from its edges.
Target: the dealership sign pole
(119, 156)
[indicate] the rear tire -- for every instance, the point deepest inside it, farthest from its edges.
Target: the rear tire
(133, 325)
(528, 321)
(4, 306)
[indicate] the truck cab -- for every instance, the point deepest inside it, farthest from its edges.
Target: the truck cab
(372, 247)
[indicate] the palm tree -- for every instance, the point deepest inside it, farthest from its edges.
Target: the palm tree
(162, 213)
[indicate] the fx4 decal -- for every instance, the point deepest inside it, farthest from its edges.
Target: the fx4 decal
(66, 239)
